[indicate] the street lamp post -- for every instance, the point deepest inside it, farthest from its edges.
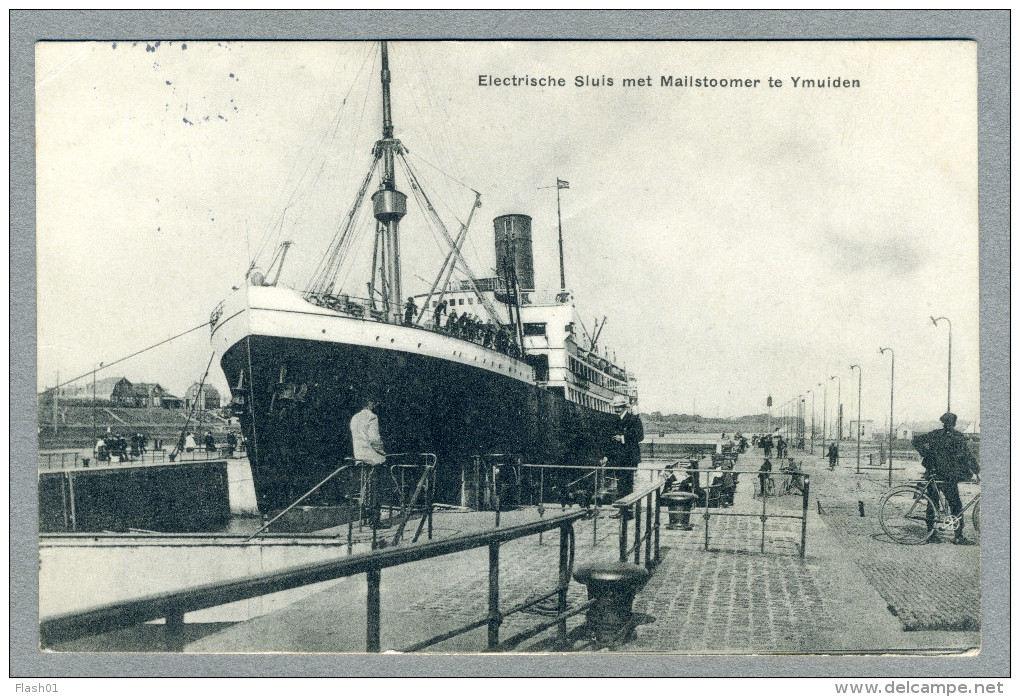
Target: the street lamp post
(949, 378)
(800, 422)
(859, 375)
(825, 412)
(812, 391)
(839, 407)
(892, 392)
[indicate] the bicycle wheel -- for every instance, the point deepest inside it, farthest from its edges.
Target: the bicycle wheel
(902, 514)
(975, 517)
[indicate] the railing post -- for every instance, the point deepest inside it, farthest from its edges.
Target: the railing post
(648, 531)
(561, 604)
(803, 513)
(173, 631)
(70, 496)
(764, 516)
(637, 531)
(658, 523)
(494, 619)
(708, 515)
(372, 625)
(429, 495)
(623, 533)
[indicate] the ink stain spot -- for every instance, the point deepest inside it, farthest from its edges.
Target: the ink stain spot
(188, 122)
(168, 82)
(115, 45)
(149, 48)
(231, 75)
(184, 47)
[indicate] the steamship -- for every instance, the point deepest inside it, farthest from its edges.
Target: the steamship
(523, 376)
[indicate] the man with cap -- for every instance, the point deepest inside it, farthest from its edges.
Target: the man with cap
(948, 461)
(624, 448)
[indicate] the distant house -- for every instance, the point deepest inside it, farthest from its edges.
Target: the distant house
(202, 397)
(84, 391)
(169, 401)
(145, 394)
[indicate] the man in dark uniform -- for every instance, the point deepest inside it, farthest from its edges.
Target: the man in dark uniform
(410, 310)
(948, 461)
(624, 449)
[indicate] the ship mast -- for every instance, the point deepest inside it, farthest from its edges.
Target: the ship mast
(388, 204)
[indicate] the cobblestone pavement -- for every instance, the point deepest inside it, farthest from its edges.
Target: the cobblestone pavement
(927, 587)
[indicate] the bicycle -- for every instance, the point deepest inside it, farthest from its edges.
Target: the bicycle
(903, 512)
(793, 478)
(770, 487)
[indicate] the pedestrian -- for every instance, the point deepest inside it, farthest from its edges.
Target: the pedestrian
(438, 312)
(410, 310)
(764, 473)
(451, 322)
(833, 455)
(947, 461)
(369, 454)
(623, 449)
(767, 446)
(231, 443)
(189, 443)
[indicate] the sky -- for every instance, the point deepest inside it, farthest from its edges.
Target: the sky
(742, 241)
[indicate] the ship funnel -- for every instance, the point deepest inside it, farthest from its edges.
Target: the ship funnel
(513, 249)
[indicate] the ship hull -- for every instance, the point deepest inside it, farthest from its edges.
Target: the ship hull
(299, 394)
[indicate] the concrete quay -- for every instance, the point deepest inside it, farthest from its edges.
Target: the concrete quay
(854, 592)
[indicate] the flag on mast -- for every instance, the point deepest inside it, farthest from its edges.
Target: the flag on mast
(560, 184)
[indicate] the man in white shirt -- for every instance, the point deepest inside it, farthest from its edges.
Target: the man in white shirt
(368, 454)
(368, 445)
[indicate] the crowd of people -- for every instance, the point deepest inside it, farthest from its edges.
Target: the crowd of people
(467, 326)
(112, 445)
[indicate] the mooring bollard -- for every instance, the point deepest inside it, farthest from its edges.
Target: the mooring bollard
(680, 504)
(612, 585)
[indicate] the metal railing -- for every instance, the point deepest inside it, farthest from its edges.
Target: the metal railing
(645, 498)
(174, 605)
(710, 496)
(73, 460)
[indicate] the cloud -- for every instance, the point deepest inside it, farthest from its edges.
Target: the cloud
(900, 255)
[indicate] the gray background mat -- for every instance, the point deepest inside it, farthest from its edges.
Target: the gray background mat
(989, 28)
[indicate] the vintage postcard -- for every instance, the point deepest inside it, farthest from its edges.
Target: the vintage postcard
(559, 347)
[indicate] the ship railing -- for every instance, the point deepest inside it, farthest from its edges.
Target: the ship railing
(173, 606)
(714, 491)
(364, 308)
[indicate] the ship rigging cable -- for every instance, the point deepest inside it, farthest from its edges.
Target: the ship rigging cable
(104, 366)
(187, 421)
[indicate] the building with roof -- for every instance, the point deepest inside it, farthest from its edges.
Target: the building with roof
(202, 396)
